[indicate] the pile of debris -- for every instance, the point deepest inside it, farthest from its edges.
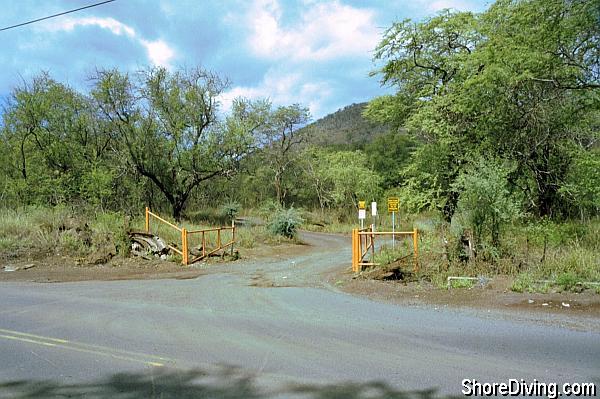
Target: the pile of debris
(148, 246)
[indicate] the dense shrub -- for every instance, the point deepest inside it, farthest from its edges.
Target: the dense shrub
(230, 210)
(285, 223)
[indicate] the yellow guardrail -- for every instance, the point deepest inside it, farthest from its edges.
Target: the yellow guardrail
(363, 240)
(204, 239)
(184, 251)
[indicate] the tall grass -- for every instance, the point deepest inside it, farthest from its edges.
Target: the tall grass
(31, 228)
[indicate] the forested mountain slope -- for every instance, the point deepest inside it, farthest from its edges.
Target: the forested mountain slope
(345, 128)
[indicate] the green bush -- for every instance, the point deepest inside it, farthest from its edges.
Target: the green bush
(387, 255)
(485, 205)
(285, 223)
(269, 209)
(230, 210)
(462, 283)
(567, 281)
(522, 283)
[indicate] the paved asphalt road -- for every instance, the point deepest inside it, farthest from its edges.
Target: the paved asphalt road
(218, 336)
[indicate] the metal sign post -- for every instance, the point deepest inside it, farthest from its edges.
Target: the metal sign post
(393, 230)
(393, 207)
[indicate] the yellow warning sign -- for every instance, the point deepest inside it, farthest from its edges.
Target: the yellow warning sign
(393, 204)
(362, 204)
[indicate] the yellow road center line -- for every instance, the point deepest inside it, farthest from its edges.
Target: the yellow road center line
(26, 340)
(60, 341)
(80, 344)
(65, 345)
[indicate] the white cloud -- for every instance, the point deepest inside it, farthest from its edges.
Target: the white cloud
(282, 89)
(68, 24)
(325, 31)
(158, 51)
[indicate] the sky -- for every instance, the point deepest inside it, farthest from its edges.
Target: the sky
(316, 53)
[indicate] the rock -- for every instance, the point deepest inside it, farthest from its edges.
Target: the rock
(544, 304)
(482, 282)
(10, 268)
(566, 305)
(530, 301)
(28, 266)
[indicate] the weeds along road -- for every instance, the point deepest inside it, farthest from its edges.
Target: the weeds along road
(229, 334)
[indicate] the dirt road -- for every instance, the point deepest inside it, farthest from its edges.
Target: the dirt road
(265, 329)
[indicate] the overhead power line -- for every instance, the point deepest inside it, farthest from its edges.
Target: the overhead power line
(56, 15)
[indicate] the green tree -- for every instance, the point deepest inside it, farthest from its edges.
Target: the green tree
(537, 96)
(424, 61)
(56, 144)
(581, 190)
(519, 82)
(168, 124)
(341, 178)
(388, 154)
(281, 141)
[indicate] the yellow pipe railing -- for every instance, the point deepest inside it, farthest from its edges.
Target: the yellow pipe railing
(219, 245)
(359, 251)
(184, 251)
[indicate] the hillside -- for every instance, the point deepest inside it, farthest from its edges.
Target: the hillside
(345, 128)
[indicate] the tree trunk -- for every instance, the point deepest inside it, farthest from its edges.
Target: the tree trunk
(23, 160)
(450, 206)
(545, 201)
(177, 210)
(177, 206)
(279, 191)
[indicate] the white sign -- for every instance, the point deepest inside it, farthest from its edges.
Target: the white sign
(362, 214)
(373, 208)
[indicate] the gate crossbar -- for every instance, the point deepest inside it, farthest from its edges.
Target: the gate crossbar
(364, 239)
(220, 246)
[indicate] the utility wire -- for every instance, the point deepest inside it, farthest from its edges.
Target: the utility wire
(56, 15)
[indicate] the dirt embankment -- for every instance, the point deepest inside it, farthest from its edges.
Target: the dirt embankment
(44, 268)
(496, 295)
(64, 269)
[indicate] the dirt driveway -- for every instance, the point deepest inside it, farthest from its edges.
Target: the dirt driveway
(322, 262)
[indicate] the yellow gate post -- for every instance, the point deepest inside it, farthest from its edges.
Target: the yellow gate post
(184, 247)
(147, 220)
(372, 243)
(416, 249)
(355, 256)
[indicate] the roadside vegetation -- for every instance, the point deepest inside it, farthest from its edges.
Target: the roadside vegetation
(490, 140)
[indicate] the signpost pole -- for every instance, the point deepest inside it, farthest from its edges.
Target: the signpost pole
(393, 230)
